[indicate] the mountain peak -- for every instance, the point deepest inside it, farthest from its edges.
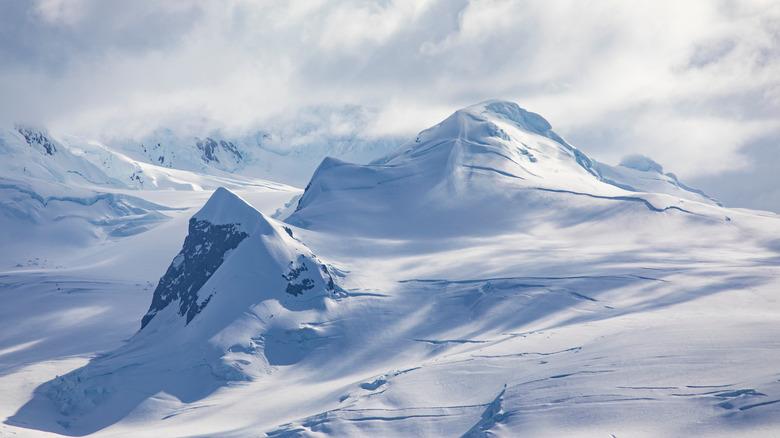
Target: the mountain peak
(216, 232)
(500, 128)
(237, 293)
(511, 111)
(226, 208)
(470, 166)
(478, 156)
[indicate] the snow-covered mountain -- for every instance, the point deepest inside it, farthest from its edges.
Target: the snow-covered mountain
(215, 232)
(227, 309)
(166, 149)
(30, 152)
(284, 149)
(75, 193)
(487, 166)
(485, 279)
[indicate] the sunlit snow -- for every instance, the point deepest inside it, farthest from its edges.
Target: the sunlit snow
(486, 278)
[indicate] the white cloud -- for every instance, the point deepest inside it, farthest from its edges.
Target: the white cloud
(688, 82)
(66, 12)
(356, 26)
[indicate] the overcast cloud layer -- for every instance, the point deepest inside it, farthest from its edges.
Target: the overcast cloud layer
(693, 84)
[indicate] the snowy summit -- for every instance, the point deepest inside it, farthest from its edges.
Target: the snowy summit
(473, 168)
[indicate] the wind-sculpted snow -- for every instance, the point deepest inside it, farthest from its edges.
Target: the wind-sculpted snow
(638, 173)
(641, 163)
(485, 168)
(535, 123)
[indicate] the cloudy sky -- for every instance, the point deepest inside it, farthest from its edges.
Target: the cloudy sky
(693, 84)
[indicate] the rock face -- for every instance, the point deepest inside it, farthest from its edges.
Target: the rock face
(37, 139)
(215, 232)
(166, 149)
(203, 252)
(212, 150)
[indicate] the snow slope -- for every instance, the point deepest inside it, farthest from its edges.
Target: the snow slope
(238, 282)
(489, 280)
(464, 175)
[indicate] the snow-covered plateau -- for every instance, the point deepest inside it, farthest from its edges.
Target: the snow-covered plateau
(484, 279)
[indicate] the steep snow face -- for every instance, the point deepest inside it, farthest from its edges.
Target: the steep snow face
(487, 167)
(496, 137)
(239, 289)
(226, 208)
(217, 229)
(225, 229)
(33, 154)
(28, 153)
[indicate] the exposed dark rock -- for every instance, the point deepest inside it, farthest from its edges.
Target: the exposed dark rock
(297, 289)
(209, 148)
(295, 272)
(300, 279)
(303, 196)
(201, 255)
(36, 137)
(231, 148)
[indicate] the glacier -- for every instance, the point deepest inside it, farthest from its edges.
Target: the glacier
(486, 278)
